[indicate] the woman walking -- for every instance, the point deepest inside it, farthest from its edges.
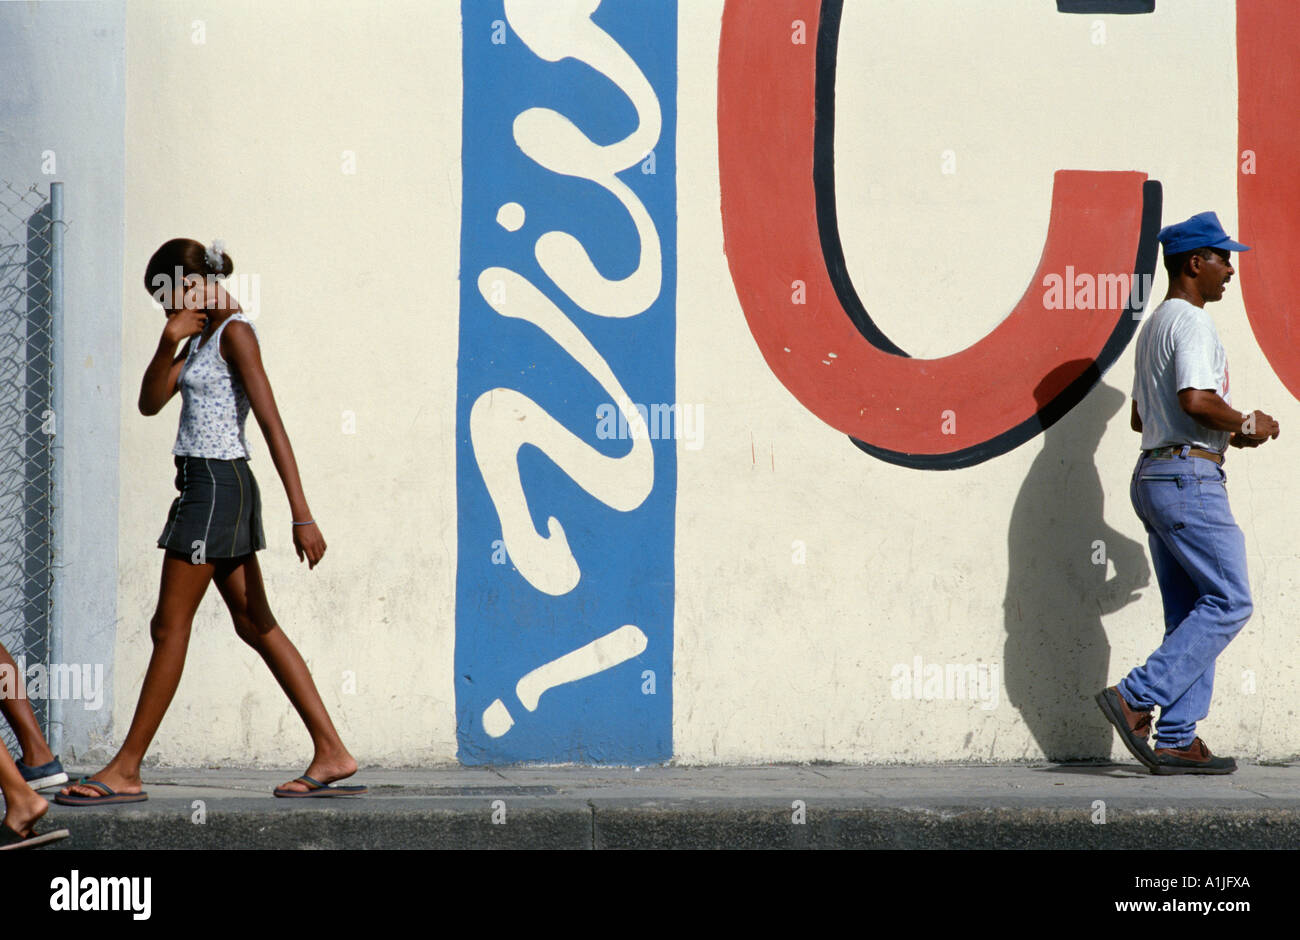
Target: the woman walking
(214, 528)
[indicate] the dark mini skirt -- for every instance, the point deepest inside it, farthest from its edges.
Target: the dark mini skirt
(219, 509)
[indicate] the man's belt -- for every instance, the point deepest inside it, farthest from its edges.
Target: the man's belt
(1163, 453)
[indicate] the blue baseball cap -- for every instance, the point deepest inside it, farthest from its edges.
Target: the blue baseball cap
(1200, 231)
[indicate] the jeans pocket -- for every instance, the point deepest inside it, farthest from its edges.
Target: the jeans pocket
(1164, 498)
(1167, 477)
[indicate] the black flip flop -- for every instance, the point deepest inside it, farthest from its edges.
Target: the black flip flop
(106, 795)
(11, 838)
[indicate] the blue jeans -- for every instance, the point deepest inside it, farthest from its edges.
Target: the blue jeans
(1199, 555)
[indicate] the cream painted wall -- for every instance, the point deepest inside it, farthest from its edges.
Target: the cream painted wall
(241, 137)
(783, 661)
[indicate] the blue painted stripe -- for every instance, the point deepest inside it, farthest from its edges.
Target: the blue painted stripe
(511, 619)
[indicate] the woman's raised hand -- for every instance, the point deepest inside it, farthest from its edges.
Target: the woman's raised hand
(184, 323)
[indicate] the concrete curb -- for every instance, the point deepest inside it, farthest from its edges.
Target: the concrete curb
(1117, 806)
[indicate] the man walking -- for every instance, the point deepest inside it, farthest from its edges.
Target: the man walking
(1182, 406)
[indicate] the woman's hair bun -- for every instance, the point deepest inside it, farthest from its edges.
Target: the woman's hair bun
(187, 256)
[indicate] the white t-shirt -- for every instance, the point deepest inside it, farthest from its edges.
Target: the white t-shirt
(1178, 348)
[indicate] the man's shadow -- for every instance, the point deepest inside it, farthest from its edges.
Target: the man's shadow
(1058, 589)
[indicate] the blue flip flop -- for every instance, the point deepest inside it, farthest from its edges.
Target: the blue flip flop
(107, 795)
(316, 788)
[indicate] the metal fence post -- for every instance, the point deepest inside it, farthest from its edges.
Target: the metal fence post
(54, 732)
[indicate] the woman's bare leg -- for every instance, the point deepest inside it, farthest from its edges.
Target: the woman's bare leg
(18, 712)
(183, 586)
(240, 583)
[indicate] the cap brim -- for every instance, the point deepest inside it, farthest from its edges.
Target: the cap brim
(1229, 245)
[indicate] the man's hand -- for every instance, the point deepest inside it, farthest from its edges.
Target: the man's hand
(1259, 427)
(1240, 440)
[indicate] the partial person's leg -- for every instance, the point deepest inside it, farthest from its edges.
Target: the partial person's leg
(183, 586)
(18, 712)
(240, 583)
(23, 805)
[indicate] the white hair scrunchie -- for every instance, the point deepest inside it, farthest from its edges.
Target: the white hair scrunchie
(213, 256)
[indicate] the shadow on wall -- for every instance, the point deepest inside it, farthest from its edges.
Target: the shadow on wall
(1058, 589)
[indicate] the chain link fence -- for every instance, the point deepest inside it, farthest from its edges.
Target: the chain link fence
(27, 428)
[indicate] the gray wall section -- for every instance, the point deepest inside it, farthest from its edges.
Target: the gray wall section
(62, 76)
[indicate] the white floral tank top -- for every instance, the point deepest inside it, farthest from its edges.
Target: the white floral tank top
(214, 405)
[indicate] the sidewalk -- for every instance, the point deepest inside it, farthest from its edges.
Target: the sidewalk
(954, 806)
